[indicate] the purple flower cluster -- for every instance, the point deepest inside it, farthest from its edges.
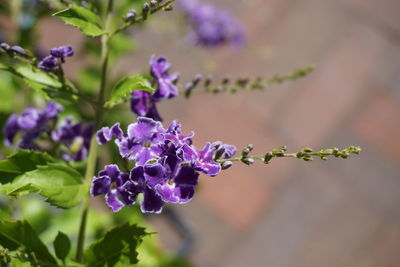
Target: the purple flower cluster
(166, 170)
(211, 26)
(76, 137)
(33, 122)
(143, 103)
(56, 57)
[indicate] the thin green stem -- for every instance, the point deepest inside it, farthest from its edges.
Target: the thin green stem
(306, 154)
(92, 158)
(142, 18)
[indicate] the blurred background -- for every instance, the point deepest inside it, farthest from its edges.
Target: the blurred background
(290, 212)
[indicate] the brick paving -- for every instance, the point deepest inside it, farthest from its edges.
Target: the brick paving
(291, 213)
(336, 213)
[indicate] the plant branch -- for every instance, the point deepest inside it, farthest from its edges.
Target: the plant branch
(142, 17)
(306, 154)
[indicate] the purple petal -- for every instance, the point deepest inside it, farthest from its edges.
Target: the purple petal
(187, 176)
(151, 202)
(143, 130)
(154, 174)
(113, 202)
(100, 186)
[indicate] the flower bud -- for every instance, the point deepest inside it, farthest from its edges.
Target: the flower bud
(208, 81)
(18, 50)
(145, 10)
(153, 3)
(226, 165)
(268, 157)
(248, 161)
(168, 8)
(5, 46)
(130, 16)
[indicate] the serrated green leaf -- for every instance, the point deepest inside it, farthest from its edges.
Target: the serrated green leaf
(62, 246)
(126, 86)
(21, 162)
(20, 235)
(60, 185)
(82, 18)
(118, 244)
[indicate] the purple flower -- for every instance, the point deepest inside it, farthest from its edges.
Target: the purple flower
(105, 134)
(76, 137)
(142, 104)
(179, 181)
(159, 67)
(51, 62)
(211, 26)
(31, 124)
(48, 63)
(166, 169)
(202, 160)
(143, 141)
(174, 135)
(224, 151)
(112, 183)
(61, 52)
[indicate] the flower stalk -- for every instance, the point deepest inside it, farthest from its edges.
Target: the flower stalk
(305, 154)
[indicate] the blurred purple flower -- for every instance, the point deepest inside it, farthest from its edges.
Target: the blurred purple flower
(212, 26)
(159, 68)
(51, 62)
(48, 63)
(76, 137)
(31, 124)
(61, 52)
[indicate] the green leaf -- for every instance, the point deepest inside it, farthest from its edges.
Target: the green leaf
(84, 19)
(60, 185)
(126, 86)
(19, 234)
(38, 76)
(62, 246)
(21, 162)
(119, 244)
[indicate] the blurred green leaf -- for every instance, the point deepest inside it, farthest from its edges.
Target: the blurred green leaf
(62, 246)
(21, 162)
(126, 86)
(84, 19)
(60, 185)
(38, 76)
(19, 234)
(119, 244)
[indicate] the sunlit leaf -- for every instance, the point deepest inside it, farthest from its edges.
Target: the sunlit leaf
(60, 185)
(84, 19)
(20, 235)
(119, 244)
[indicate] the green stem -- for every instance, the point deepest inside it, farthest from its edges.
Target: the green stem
(306, 154)
(141, 18)
(91, 166)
